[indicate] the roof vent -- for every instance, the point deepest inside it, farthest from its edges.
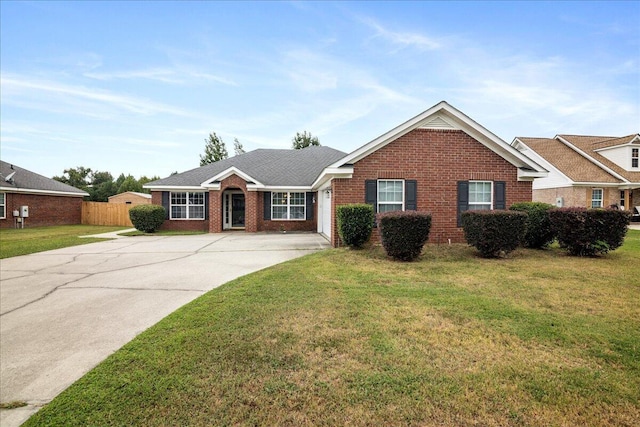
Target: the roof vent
(9, 177)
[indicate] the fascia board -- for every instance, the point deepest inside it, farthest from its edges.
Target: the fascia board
(287, 188)
(527, 175)
(598, 184)
(613, 147)
(173, 188)
(42, 192)
(591, 159)
(332, 172)
(227, 173)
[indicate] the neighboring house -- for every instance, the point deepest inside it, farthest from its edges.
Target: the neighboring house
(440, 161)
(588, 171)
(131, 198)
(49, 202)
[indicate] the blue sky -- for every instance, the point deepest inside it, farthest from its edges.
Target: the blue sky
(136, 87)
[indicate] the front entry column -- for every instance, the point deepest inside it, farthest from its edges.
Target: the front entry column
(251, 210)
(215, 211)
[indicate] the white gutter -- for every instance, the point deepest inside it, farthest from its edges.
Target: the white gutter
(43, 192)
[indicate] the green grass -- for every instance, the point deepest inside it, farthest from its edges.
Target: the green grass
(14, 242)
(348, 337)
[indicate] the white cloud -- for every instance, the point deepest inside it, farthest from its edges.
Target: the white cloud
(402, 38)
(16, 88)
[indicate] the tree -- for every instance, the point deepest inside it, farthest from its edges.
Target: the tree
(214, 150)
(75, 177)
(237, 147)
(304, 140)
(102, 187)
(130, 184)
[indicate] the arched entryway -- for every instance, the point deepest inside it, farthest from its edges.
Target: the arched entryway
(233, 210)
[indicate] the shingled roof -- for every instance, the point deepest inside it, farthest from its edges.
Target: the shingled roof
(565, 153)
(269, 167)
(15, 179)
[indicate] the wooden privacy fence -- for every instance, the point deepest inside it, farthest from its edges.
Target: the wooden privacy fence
(102, 213)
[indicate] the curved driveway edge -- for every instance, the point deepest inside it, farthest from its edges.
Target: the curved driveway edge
(64, 311)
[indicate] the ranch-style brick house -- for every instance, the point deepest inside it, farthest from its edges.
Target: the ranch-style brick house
(440, 161)
(49, 202)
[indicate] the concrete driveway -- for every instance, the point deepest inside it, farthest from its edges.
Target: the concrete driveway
(64, 311)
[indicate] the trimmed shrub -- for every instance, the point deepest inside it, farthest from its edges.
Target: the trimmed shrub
(147, 218)
(589, 232)
(355, 224)
(494, 233)
(539, 233)
(403, 234)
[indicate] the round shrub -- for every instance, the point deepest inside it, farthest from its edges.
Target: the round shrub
(403, 234)
(147, 218)
(539, 232)
(589, 232)
(494, 233)
(355, 224)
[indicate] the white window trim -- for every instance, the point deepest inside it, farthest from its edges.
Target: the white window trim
(187, 205)
(636, 158)
(490, 203)
(3, 213)
(289, 206)
(601, 198)
(388, 203)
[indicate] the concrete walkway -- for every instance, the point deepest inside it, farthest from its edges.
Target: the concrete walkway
(64, 311)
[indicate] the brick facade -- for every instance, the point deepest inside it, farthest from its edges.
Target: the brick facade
(581, 196)
(44, 210)
(254, 212)
(437, 160)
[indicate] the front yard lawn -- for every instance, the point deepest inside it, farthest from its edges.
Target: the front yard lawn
(14, 242)
(347, 337)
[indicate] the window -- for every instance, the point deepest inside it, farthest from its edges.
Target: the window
(480, 195)
(288, 205)
(187, 205)
(390, 195)
(622, 199)
(3, 206)
(634, 157)
(596, 198)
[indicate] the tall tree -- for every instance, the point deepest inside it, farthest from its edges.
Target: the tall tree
(130, 184)
(76, 177)
(214, 150)
(102, 187)
(304, 140)
(237, 147)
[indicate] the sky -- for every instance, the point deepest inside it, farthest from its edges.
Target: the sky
(136, 87)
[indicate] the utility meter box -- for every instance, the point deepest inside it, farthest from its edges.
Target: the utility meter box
(24, 211)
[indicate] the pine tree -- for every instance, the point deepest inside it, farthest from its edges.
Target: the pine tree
(214, 150)
(304, 140)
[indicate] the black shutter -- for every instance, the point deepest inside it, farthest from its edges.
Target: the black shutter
(410, 195)
(309, 207)
(499, 195)
(206, 205)
(267, 206)
(371, 193)
(463, 199)
(166, 203)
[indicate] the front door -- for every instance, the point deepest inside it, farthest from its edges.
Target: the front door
(233, 210)
(237, 210)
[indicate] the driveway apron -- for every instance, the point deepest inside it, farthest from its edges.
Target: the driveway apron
(64, 311)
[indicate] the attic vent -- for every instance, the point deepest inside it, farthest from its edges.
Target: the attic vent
(438, 123)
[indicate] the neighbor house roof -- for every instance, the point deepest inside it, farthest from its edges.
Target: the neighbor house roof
(577, 157)
(14, 179)
(262, 168)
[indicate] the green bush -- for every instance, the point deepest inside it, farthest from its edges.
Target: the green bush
(403, 234)
(147, 218)
(355, 224)
(494, 233)
(589, 232)
(539, 233)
